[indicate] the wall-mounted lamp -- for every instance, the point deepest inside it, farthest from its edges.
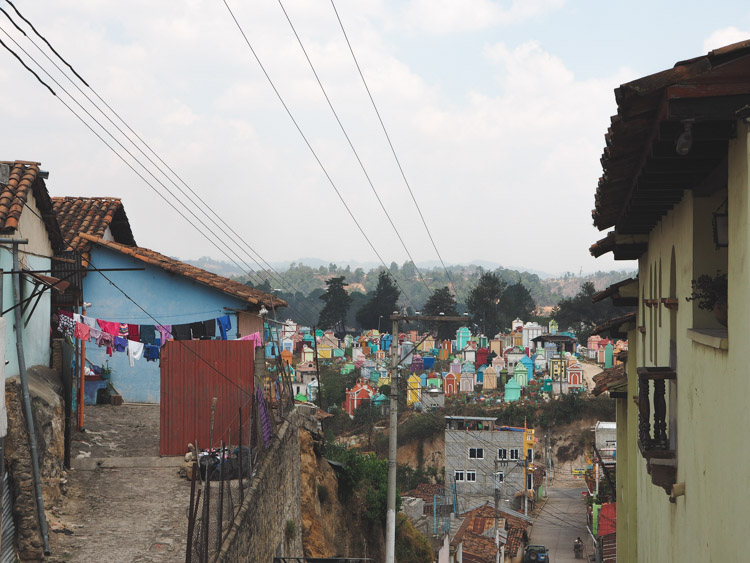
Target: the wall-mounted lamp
(263, 311)
(685, 140)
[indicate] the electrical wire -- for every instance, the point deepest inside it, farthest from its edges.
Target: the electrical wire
(393, 150)
(351, 145)
(314, 153)
(217, 217)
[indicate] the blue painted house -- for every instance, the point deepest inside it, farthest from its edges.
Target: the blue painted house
(165, 292)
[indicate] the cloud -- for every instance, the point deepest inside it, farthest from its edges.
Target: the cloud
(723, 37)
(460, 16)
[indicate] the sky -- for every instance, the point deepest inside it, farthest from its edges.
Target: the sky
(496, 110)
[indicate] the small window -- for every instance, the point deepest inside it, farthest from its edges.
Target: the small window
(502, 453)
(458, 476)
(476, 453)
(530, 455)
(471, 476)
(498, 477)
(529, 481)
(514, 453)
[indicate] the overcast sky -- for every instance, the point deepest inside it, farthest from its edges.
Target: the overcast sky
(497, 111)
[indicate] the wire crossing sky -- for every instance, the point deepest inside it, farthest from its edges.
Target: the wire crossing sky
(497, 111)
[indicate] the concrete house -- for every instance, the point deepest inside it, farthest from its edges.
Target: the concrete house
(480, 457)
(680, 492)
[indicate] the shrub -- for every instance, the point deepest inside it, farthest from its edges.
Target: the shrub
(290, 530)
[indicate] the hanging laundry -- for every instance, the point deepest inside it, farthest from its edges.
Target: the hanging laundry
(106, 339)
(198, 330)
(209, 328)
(94, 335)
(82, 331)
(225, 324)
(65, 323)
(265, 419)
(133, 333)
(121, 344)
(151, 352)
(76, 317)
(123, 332)
(166, 333)
(135, 351)
(255, 337)
(109, 327)
(89, 321)
(181, 332)
(148, 334)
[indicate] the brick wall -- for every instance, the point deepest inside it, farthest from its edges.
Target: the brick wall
(260, 530)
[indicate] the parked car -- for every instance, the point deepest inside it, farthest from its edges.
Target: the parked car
(535, 553)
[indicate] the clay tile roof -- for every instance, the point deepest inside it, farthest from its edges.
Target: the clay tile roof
(610, 378)
(478, 548)
(24, 179)
(214, 281)
(426, 491)
(515, 537)
(91, 215)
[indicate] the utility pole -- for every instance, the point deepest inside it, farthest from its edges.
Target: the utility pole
(390, 521)
(497, 500)
(546, 468)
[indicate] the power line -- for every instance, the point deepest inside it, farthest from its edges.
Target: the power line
(393, 150)
(312, 150)
(351, 145)
(280, 277)
(130, 153)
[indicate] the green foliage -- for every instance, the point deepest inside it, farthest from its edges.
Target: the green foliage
(364, 475)
(411, 546)
(709, 291)
(484, 303)
(441, 301)
(290, 529)
(337, 302)
(382, 303)
(424, 426)
(580, 314)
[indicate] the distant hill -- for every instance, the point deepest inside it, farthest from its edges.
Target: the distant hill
(303, 278)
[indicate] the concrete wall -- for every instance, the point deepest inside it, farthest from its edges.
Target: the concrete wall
(36, 335)
(167, 297)
(709, 399)
(457, 444)
(258, 532)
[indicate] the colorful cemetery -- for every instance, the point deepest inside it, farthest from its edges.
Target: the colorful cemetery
(490, 378)
(450, 384)
(361, 392)
(512, 391)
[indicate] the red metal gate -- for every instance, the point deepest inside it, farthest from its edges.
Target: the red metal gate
(192, 373)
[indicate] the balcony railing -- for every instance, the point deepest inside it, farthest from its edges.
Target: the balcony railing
(655, 446)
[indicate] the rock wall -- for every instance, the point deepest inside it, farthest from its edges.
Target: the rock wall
(48, 411)
(269, 522)
(330, 528)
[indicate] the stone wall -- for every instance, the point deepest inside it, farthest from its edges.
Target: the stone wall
(269, 522)
(47, 407)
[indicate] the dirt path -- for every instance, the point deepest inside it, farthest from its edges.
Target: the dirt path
(120, 513)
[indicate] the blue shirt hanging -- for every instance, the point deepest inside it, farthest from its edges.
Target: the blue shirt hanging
(225, 324)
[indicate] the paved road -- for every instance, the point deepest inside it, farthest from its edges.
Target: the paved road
(561, 520)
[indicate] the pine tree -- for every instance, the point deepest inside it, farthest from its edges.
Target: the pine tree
(337, 302)
(378, 310)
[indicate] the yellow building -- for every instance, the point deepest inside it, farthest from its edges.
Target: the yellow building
(414, 389)
(676, 189)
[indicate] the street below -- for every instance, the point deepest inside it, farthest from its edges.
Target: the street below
(562, 519)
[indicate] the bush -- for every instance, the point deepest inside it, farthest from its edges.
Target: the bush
(290, 530)
(425, 426)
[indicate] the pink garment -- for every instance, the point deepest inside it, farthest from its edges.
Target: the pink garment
(255, 337)
(165, 333)
(109, 327)
(82, 331)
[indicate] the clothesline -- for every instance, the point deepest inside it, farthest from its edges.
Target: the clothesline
(134, 339)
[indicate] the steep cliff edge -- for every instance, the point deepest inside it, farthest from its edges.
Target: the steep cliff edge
(330, 528)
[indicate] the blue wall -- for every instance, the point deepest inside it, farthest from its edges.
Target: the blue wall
(169, 298)
(36, 335)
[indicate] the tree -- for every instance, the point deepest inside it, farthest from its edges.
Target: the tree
(337, 302)
(516, 303)
(483, 303)
(580, 314)
(381, 305)
(442, 301)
